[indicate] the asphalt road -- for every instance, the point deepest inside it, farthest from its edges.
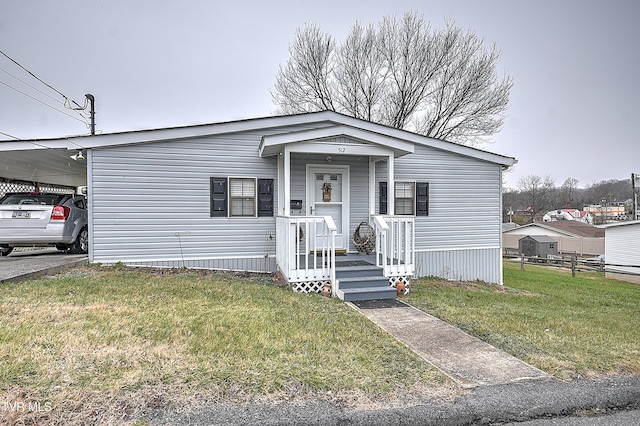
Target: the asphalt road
(538, 403)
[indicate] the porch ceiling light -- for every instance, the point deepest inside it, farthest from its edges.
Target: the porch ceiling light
(77, 156)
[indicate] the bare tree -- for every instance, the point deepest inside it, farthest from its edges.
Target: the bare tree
(439, 83)
(568, 191)
(305, 83)
(536, 192)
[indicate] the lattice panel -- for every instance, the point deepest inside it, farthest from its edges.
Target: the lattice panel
(309, 286)
(10, 186)
(393, 281)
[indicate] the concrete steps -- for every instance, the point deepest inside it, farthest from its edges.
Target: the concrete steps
(362, 282)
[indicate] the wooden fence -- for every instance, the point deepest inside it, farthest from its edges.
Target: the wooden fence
(568, 261)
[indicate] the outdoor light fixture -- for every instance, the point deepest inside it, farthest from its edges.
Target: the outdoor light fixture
(329, 158)
(77, 156)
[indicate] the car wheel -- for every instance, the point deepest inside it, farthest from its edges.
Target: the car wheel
(81, 244)
(5, 251)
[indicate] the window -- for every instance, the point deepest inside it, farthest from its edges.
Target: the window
(405, 197)
(241, 197)
(410, 198)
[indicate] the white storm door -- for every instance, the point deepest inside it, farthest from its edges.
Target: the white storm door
(328, 195)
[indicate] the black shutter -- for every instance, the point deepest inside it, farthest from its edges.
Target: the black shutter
(422, 199)
(265, 197)
(383, 198)
(219, 197)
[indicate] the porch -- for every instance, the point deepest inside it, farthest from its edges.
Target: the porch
(306, 257)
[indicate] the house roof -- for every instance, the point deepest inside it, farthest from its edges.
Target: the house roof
(627, 223)
(540, 238)
(25, 158)
(570, 227)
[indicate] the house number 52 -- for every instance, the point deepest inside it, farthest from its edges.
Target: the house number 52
(342, 150)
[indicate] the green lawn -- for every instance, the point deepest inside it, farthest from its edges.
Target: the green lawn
(568, 327)
(137, 334)
(103, 341)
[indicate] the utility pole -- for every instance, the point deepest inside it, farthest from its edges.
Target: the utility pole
(635, 177)
(92, 102)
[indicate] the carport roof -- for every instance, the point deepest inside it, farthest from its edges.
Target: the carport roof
(49, 160)
(50, 165)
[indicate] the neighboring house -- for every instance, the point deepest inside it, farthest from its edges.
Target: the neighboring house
(572, 236)
(615, 211)
(568, 214)
(622, 251)
(262, 194)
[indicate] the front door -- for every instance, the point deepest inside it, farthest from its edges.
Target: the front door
(328, 195)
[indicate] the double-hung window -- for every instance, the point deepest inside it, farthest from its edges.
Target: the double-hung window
(409, 198)
(405, 198)
(242, 197)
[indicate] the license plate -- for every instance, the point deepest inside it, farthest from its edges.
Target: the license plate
(21, 214)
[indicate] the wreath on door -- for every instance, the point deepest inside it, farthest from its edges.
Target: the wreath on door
(326, 192)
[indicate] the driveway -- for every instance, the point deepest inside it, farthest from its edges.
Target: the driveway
(24, 264)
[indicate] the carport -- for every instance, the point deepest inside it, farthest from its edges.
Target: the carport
(43, 162)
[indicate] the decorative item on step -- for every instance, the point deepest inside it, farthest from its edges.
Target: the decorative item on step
(326, 290)
(364, 238)
(326, 192)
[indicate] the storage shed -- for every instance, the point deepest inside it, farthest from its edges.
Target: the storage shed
(537, 245)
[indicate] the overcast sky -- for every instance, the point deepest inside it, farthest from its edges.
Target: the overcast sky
(574, 107)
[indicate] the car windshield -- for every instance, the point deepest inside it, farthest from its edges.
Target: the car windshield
(32, 199)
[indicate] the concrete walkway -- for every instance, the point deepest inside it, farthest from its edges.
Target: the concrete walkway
(467, 360)
(32, 264)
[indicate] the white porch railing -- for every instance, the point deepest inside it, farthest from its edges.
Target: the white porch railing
(395, 245)
(305, 250)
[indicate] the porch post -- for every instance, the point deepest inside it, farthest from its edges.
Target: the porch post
(372, 186)
(390, 186)
(286, 185)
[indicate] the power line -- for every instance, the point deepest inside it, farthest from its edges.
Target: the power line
(46, 104)
(34, 88)
(67, 100)
(11, 136)
(39, 79)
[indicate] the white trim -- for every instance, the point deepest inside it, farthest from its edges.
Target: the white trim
(204, 130)
(287, 181)
(372, 186)
(611, 225)
(180, 259)
(346, 195)
(457, 249)
(272, 144)
(90, 210)
(255, 197)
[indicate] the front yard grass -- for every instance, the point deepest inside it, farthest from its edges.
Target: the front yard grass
(586, 326)
(97, 335)
(107, 344)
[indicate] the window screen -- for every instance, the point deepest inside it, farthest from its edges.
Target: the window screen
(242, 196)
(404, 198)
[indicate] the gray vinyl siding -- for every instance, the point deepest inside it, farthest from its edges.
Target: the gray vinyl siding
(144, 194)
(460, 238)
